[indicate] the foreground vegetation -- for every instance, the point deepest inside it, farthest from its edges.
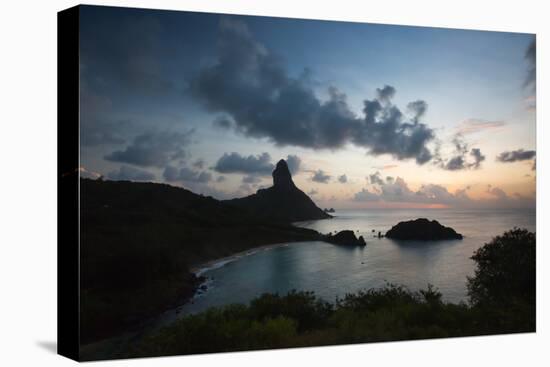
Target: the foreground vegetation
(501, 300)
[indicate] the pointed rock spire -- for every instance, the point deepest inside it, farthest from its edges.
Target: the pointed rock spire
(283, 202)
(281, 176)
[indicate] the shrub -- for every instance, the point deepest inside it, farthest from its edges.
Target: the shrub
(505, 272)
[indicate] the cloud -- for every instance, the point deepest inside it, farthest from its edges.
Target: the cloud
(385, 167)
(223, 122)
(516, 156)
(251, 179)
(126, 173)
(366, 195)
(376, 179)
(497, 192)
(85, 173)
(320, 176)
(398, 191)
(294, 163)
(172, 174)
(386, 93)
(253, 87)
(220, 179)
(312, 192)
(472, 126)
(455, 164)
(459, 162)
(153, 149)
(531, 57)
(418, 108)
(343, 178)
(478, 158)
(235, 163)
(385, 130)
(199, 164)
(464, 158)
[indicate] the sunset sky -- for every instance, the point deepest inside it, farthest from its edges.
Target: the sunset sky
(367, 115)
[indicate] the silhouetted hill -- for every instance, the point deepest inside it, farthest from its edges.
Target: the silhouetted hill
(138, 241)
(282, 202)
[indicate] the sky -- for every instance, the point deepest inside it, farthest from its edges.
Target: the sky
(366, 115)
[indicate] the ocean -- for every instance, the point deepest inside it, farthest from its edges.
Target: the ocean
(331, 271)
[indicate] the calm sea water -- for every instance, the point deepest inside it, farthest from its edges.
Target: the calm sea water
(332, 271)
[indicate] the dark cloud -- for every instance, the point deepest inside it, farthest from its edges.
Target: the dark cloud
(235, 163)
(386, 131)
(251, 85)
(220, 179)
(126, 173)
(293, 162)
(516, 155)
(418, 108)
(531, 57)
(455, 164)
(343, 178)
(199, 164)
(386, 93)
(463, 158)
(153, 149)
(478, 157)
(376, 179)
(185, 174)
(320, 176)
(222, 122)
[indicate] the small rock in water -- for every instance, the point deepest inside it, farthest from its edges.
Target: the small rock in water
(346, 237)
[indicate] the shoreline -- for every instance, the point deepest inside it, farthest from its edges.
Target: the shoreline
(93, 348)
(200, 269)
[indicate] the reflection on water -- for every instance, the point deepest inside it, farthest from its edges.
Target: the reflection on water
(331, 271)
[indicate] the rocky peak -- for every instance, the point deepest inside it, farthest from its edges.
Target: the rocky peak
(281, 175)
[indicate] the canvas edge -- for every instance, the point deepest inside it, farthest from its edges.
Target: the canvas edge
(68, 226)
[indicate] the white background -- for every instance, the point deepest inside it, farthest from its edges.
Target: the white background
(28, 183)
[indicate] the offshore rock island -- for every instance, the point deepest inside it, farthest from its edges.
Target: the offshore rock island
(422, 229)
